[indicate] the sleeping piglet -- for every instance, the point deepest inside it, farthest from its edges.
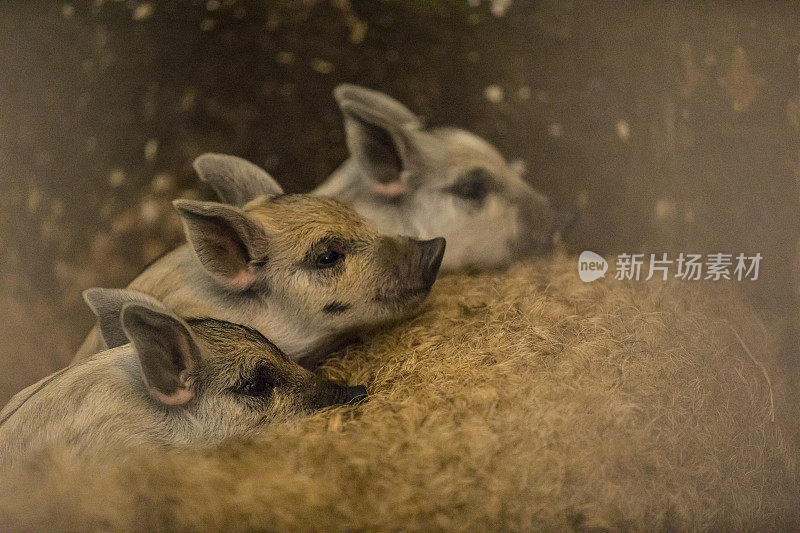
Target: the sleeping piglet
(164, 381)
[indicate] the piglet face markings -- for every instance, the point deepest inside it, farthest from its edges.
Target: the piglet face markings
(430, 182)
(244, 370)
(179, 381)
(335, 308)
(326, 262)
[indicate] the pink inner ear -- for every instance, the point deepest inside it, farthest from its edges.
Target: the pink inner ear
(395, 188)
(241, 280)
(179, 397)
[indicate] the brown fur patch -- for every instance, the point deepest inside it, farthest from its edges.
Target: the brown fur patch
(522, 400)
(303, 219)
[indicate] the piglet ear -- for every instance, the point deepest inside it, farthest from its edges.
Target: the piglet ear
(107, 305)
(229, 244)
(167, 351)
(380, 136)
(381, 106)
(235, 180)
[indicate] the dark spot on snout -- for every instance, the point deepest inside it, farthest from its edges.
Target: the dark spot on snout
(335, 308)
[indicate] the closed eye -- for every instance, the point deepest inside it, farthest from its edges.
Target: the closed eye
(260, 384)
(474, 185)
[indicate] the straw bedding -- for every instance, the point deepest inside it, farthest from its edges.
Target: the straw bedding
(517, 400)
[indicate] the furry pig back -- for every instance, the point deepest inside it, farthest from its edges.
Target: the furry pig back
(515, 401)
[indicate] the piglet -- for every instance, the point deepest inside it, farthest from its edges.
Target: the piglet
(165, 381)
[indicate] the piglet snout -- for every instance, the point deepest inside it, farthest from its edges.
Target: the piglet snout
(431, 254)
(355, 395)
(334, 394)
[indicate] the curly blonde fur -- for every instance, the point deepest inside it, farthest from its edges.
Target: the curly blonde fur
(523, 400)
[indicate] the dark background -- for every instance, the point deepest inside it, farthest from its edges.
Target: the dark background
(670, 127)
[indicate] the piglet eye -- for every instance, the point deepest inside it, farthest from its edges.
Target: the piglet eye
(260, 384)
(328, 259)
(474, 185)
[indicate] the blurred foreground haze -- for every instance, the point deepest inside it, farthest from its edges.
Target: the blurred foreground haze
(670, 127)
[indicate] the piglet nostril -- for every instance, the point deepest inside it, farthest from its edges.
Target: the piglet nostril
(355, 395)
(432, 252)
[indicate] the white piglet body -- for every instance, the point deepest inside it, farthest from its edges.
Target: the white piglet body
(166, 381)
